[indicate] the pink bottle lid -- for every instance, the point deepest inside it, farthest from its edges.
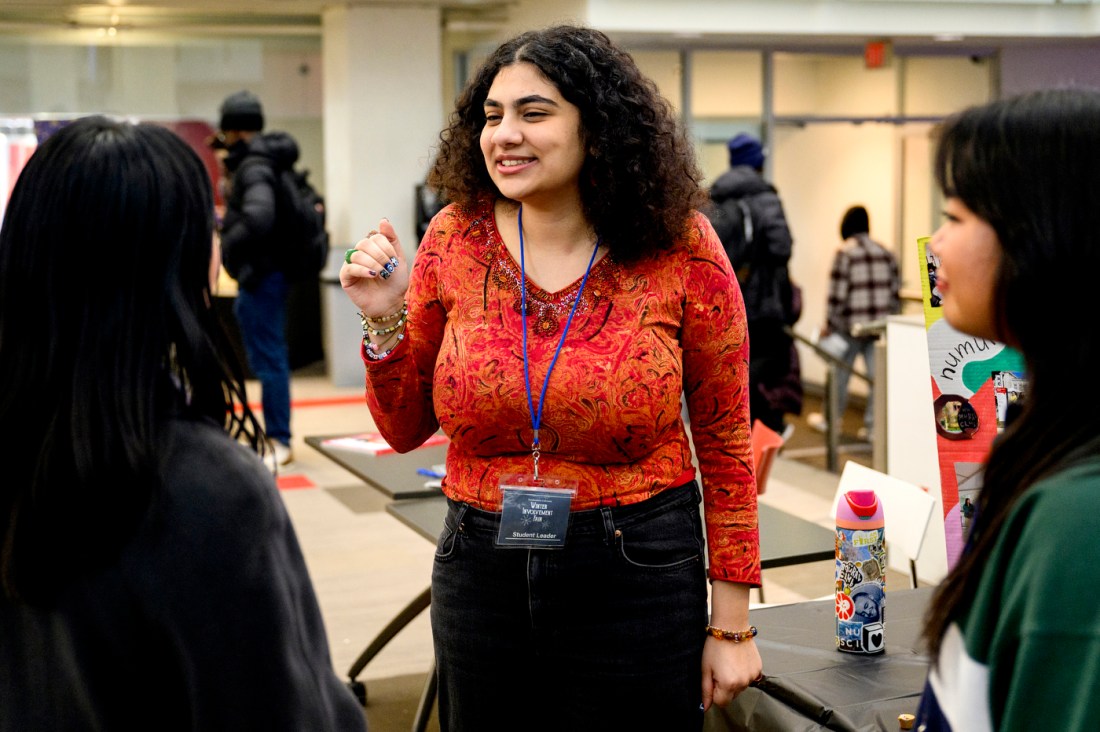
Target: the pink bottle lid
(863, 503)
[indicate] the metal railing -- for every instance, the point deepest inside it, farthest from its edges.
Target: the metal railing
(831, 399)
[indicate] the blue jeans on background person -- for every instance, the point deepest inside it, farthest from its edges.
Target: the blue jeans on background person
(854, 347)
(261, 314)
(606, 633)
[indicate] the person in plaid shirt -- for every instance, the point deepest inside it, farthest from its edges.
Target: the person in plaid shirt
(863, 287)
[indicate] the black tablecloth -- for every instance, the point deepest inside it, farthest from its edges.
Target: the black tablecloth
(812, 686)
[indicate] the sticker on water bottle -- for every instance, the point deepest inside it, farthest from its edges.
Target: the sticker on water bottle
(860, 590)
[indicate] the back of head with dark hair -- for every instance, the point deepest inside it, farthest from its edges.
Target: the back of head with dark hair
(106, 329)
(639, 183)
(1028, 166)
(855, 221)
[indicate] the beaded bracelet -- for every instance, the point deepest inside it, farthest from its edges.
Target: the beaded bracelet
(372, 350)
(730, 635)
(367, 330)
(403, 310)
(383, 343)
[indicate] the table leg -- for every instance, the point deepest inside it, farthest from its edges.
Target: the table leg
(406, 616)
(427, 701)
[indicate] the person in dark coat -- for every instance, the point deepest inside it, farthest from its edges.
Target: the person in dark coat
(748, 216)
(249, 239)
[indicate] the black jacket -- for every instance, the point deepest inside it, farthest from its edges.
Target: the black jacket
(761, 264)
(249, 230)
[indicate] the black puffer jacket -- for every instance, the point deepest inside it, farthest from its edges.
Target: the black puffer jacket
(249, 231)
(761, 265)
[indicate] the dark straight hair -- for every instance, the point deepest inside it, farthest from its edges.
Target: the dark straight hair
(640, 182)
(1029, 166)
(106, 330)
(855, 221)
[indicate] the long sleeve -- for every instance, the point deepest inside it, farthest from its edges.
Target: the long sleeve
(399, 387)
(895, 288)
(836, 310)
(716, 361)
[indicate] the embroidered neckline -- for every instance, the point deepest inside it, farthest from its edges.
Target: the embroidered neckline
(548, 309)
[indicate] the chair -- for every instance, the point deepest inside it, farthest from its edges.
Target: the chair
(907, 509)
(766, 444)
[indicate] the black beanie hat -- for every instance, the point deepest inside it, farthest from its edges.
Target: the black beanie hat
(242, 111)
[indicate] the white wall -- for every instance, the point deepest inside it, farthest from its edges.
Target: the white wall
(726, 84)
(820, 171)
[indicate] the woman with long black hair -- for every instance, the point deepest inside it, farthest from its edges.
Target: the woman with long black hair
(151, 578)
(1015, 628)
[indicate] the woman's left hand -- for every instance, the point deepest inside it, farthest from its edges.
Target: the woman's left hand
(728, 669)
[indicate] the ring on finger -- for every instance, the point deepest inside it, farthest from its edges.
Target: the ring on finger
(347, 255)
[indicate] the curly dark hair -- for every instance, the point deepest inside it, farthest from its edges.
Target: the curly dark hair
(640, 182)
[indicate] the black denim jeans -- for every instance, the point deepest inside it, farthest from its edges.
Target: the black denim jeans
(604, 634)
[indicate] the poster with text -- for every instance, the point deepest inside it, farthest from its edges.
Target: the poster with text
(974, 381)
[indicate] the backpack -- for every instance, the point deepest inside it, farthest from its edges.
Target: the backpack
(733, 224)
(735, 228)
(300, 213)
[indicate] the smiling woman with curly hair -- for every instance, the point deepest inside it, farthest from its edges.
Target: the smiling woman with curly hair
(555, 316)
(639, 183)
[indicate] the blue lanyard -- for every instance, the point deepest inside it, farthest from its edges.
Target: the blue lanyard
(536, 415)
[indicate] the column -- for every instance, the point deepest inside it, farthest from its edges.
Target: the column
(382, 114)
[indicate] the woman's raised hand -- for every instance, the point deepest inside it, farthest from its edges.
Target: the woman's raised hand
(375, 274)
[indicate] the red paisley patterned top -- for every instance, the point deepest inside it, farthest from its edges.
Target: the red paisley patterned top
(641, 333)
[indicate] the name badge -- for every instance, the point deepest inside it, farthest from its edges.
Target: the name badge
(534, 511)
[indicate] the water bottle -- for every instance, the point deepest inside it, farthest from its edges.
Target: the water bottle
(860, 574)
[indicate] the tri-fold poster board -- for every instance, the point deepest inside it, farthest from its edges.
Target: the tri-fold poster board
(974, 382)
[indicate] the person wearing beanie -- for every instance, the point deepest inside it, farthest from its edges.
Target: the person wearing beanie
(748, 216)
(248, 241)
(746, 150)
(242, 111)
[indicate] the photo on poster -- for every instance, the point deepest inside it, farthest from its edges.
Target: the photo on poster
(956, 418)
(933, 264)
(969, 477)
(1009, 388)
